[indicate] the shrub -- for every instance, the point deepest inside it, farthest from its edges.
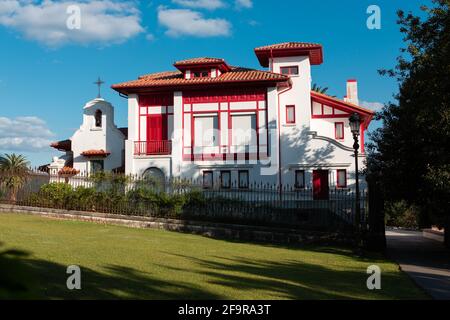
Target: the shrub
(55, 194)
(401, 214)
(147, 200)
(82, 198)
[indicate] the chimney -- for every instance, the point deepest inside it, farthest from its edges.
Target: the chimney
(352, 92)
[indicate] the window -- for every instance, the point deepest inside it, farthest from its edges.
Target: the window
(225, 179)
(206, 131)
(290, 114)
(291, 70)
(339, 130)
(243, 130)
(207, 179)
(299, 179)
(243, 179)
(200, 74)
(96, 166)
(98, 119)
(341, 178)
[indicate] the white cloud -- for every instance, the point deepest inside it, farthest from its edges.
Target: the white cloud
(192, 23)
(24, 134)
(45, 21)
(150, 37)
(374, 106)
(201, 4)
(247, 4)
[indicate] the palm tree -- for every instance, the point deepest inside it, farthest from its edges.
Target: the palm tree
(319, 89)
(13, 173)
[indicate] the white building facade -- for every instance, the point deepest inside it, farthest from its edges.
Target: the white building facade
(98, 145)
(235, 126)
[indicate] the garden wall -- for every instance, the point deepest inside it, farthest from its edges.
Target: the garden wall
(214, 230)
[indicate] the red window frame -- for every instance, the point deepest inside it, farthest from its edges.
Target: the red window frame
(297, 184)
(222, 179)
(289, 70)
(290, 121)
(204, 182)
(246, 185)
(336, 124)
(339, 185)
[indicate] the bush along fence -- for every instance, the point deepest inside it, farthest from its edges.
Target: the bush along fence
(257, 204)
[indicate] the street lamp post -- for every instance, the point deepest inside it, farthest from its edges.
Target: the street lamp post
(355, 122)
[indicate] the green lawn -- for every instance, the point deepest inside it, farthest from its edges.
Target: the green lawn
(120, 262)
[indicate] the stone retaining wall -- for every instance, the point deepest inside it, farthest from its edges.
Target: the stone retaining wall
(209, 229)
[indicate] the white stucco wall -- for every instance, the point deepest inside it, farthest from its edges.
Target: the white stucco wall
(308, 144)
(106, 137)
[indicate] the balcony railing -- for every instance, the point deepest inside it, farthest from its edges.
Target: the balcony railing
(156, 147)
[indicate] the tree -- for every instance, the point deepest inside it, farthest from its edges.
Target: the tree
(410, 152)
(319, 89)
(13, 173)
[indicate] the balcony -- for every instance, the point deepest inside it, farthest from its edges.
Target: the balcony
(156, 147)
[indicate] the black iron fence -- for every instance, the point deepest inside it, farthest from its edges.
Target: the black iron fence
(257, 204)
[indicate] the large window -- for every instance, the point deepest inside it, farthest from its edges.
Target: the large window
(96, 166)
(207, 179)
(299, 179)
(290, 70)
(244, 129)
(290, 114)
(243, 179)
(225, 179)
(206, 131)
(341, 178)
(339, 130)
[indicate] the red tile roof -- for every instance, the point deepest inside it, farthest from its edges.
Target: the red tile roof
(63, 145)
(290, 45)
(349, 104)
(95, 153)
(290, 49)
(201, 60)
(175, 79)
(68, 171)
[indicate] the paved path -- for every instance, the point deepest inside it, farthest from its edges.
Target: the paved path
(426, 261)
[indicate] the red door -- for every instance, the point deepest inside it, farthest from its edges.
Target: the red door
(320, 184)
(156, 133)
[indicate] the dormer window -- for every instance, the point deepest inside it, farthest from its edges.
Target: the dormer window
(289, 71)
(202, 67)
(98, 118)
(200, 74)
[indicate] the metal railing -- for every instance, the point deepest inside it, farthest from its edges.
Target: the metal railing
(155, 147)
(258, 204)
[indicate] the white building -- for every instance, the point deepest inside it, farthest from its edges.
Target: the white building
(97, 145)
(227, 124)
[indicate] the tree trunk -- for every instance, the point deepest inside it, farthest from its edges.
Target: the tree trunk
(447, 232)
(13, 195)
(376, 237)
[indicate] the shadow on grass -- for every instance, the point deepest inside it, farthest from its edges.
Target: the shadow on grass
(300, 280)
(23, 277)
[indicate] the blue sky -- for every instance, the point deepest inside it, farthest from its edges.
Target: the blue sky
(47, 71)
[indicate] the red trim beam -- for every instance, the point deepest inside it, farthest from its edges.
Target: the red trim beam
(366, 114)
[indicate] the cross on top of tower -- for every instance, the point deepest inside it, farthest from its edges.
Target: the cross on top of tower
(99, 83)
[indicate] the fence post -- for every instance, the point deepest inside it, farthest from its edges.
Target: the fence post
(376, 237)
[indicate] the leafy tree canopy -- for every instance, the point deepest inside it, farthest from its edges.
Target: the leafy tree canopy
(410, 153)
